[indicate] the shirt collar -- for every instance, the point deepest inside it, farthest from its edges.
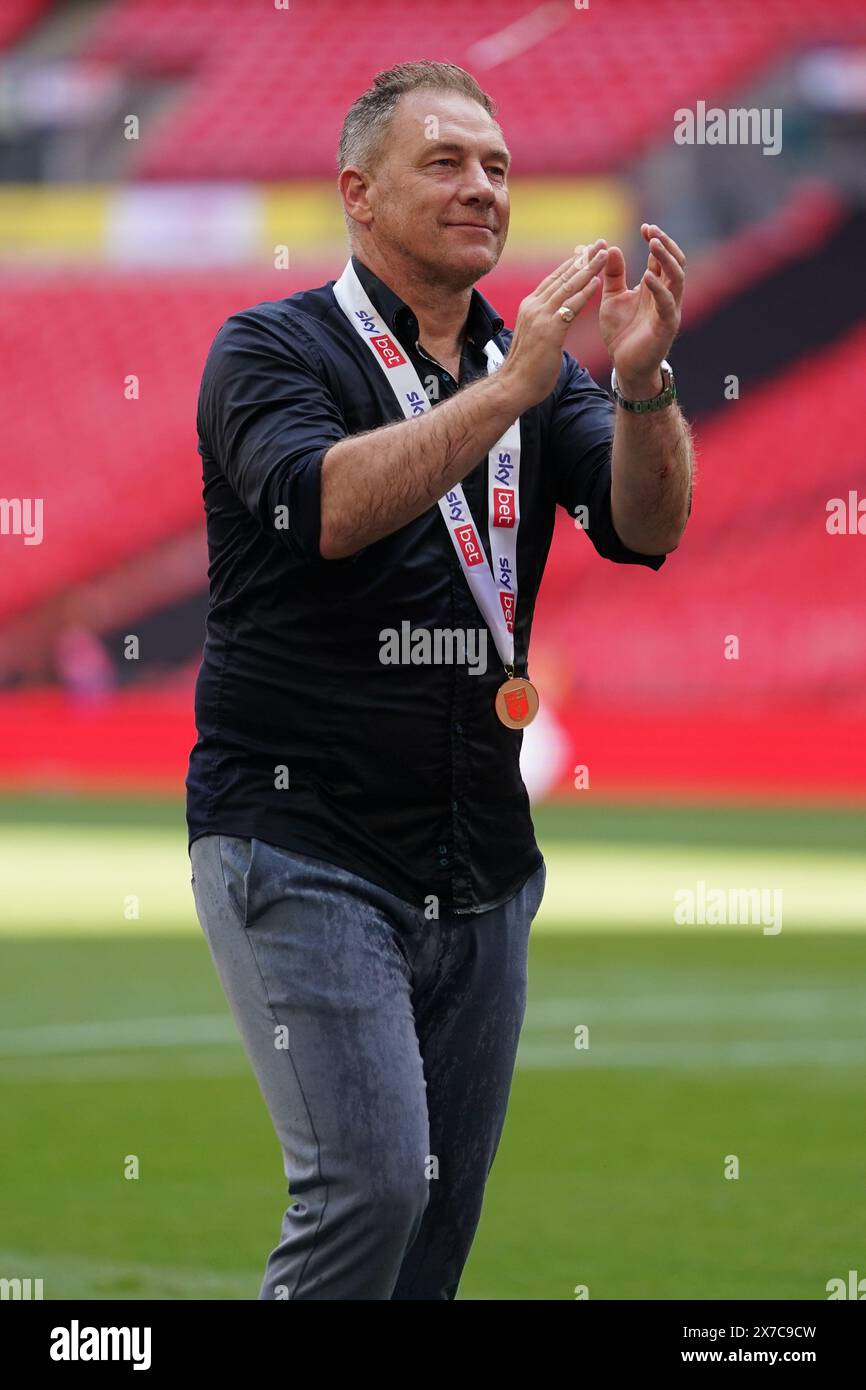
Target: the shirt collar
(482, 322)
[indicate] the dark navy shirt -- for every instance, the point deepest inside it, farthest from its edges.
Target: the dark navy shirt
(401, 773)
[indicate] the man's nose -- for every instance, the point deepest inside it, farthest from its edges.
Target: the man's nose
(478, 185)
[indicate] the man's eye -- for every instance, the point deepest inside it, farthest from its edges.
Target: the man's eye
(495, 169)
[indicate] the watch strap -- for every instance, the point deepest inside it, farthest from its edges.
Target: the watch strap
(666, 396)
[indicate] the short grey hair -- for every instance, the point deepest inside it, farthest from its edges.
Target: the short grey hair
(362, 138)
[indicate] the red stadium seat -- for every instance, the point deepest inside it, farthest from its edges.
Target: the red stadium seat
(118, 476)
(267, 89)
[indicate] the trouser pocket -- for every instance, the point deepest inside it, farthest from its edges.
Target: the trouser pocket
(235, 852)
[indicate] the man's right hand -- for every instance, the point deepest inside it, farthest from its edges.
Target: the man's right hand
(534, 359)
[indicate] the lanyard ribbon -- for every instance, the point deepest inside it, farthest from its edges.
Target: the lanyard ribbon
(494, 591)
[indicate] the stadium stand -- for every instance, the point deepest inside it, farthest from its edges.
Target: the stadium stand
(262, 92)
(759, 563)
(758, 535)
(19, 16)
(779, 301)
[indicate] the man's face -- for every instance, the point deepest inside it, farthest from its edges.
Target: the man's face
(443, 166)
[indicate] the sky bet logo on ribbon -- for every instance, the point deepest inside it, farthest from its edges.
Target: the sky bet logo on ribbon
(505, 469)
(469, 545)
(454, 506)
(507, 601)
(388, 350)
(503, 506)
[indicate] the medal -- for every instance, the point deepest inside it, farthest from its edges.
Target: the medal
(492, 583)
(516, 702)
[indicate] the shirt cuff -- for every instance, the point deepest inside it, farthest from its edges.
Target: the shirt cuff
(609, 545)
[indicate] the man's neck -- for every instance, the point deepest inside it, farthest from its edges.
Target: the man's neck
(441, 312)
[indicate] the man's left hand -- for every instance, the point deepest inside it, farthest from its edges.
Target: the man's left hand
(638, 326)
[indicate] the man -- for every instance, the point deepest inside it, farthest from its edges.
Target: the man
(382, 464)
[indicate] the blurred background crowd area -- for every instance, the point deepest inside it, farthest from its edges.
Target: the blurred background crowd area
(160, 159)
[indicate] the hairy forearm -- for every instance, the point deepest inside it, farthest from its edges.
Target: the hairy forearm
(652, 472)
(374, 483)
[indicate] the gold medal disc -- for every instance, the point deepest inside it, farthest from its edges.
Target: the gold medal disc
(517, 702)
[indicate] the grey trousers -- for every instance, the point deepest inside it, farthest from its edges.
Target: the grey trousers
(383, 1042)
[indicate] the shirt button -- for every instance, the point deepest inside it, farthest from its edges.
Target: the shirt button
(441, 849)
(458, 728)
(444, 863)
(455, 805)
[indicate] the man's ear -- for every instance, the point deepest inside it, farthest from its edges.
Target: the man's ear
(353, 185)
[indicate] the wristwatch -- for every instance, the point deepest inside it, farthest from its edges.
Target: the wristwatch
(667, 394)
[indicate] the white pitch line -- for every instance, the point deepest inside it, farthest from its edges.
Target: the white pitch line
(116, 1034)
(687, 1054)
(841, 1055)
(177, 1030)
(60, 1051)
(111, 1035)
(793, 1005)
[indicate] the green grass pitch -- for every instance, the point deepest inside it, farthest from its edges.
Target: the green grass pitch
(704, 1042)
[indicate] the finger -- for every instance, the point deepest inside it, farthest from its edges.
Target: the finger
(652, 263)
(574, 280)
(614, 271)
(585, 253)
(576, 302)
(587, 266)
(664, 301)
(666, 261)
(650, 230)
(582, 256)
(551, 278)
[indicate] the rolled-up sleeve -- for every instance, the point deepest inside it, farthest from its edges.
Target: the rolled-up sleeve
(267, 416)
(579, 451)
